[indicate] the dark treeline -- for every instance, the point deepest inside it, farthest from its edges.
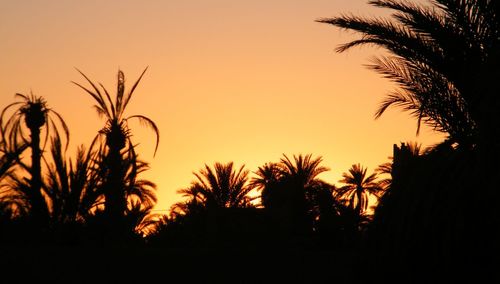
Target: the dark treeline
(437, 213)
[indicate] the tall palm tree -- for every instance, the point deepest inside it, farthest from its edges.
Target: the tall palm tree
(443, 57)
(37, 116)
(117, 141)
(221, 187)
(357, 188)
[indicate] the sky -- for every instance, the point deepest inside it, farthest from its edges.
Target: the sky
(243, 81)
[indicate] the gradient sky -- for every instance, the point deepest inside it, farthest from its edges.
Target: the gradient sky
(242, 81)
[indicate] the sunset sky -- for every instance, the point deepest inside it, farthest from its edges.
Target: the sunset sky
(242, 81)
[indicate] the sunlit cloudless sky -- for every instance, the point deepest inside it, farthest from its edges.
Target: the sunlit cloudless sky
(242, 81)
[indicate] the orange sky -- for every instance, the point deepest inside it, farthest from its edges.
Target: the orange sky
(241, 81)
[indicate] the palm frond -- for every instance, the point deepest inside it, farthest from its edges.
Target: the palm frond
(148, 123)
(127, 98)
(64, 126)
(109, 104)
(120, 89)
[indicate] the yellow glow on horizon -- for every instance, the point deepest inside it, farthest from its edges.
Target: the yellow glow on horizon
(242, 81)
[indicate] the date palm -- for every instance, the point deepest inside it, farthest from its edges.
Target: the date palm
(281, 181)
(30, 118)
(290, 190)
(303, 169)
(300, 176)
(444, 58)
(138, 191)
(266, 179)
(140, 219)
(117, 146)
(358, 186)
(224, 186)
(71, 186)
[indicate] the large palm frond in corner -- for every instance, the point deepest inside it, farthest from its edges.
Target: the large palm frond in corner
(444, 59)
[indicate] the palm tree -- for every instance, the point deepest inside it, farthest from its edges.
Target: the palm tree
(140, 219)
(267, 177)
(72, 187)
(267, 174)
(138, 189)
(290, 191)
(444, 57)
(118, 147)
(332, 218)
(36, 115)
(301, 174)
(357, 188)
(300, 178)
(221, 187)
(302, 170)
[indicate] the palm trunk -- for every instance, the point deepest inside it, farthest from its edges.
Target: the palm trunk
(115, 203)
(359, 194)
(114, 191)
(38, 206)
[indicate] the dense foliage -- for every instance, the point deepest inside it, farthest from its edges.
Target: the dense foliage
(430, 211)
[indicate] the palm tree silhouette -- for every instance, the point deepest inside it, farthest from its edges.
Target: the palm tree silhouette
(118, 146)
(333, 220)
(267, 177)
(271, 178)
(138, 190)
(302, 170)
(289, 190)
(300, 178)
(221, 187)
(357, 188)
(72, 187)
(442, 59)
(140, 219)
(35, 114)
(75, 195)
(213, 214)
